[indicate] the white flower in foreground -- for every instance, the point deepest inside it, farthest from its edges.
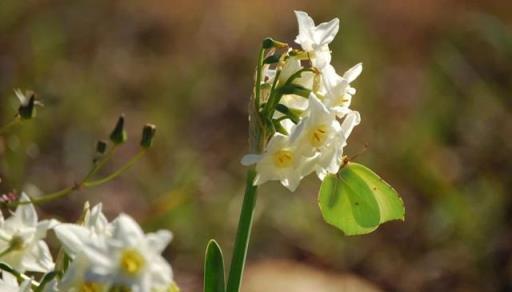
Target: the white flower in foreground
(316, 39)
(76, 279)
(281, 161)
(95, 227)
(9, 283)
(21, 244)
(337, 90)
(127, 258)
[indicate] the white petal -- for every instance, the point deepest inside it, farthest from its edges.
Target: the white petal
(38, 258)
(26, 286)
(127, 230)
(96, 220)
(326, 31)
(321, 58)
(23, 99)
(277, 141)
(305, 38)
(159, 240)
(351, 120)
(291, 183)
(291, 66)
(43, 226)
(73, 237)
(161, 273)
(353, 73)
(250, 159)
(26, 213)
(9, 279)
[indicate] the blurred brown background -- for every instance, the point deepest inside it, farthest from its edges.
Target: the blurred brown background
(434, 97)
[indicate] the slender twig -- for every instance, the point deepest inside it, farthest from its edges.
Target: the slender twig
(101, 163)
(84, 183)
(115, 174)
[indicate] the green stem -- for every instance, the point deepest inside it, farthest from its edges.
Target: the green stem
(50, 197)
(121, 170)
(261, 55)
(10, 124)
(85, 183)
(268, 111)
(243, 234)
(99, 164)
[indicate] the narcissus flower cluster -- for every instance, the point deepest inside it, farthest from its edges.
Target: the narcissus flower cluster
(308, 104)
(96, 255)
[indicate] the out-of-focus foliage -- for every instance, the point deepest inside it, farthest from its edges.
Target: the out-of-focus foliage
(435, 96)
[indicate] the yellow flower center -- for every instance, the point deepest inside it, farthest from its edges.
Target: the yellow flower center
(283, 158)
(318, 135)
(131, 262)
(342, 101)
(174, 288)
(91, 287)
(16, 243)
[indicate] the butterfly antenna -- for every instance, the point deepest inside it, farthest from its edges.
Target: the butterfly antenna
(359, 153)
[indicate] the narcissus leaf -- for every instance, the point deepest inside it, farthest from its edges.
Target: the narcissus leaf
(214, 268)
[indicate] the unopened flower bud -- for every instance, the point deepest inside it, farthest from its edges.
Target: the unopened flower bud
(101, 147)
(118, 135)
(148, 133)
(269, 43)
(27, 110)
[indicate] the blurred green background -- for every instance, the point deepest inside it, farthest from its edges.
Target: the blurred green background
(434, 98)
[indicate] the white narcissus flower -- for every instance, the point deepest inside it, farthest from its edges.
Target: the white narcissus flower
(316, 39)
(330, 158)
(21, 244)
(317, 129)
(321, 133)
(337, 90)
(127, 257)
(95, 227)
(9, 283)
(281, 161)
(75, 279)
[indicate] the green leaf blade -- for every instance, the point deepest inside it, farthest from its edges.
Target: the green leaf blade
(357, 201)
(214, 280)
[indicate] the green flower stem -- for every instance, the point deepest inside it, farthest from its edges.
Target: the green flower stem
(100, 164)
(115, 174)
(261, 56)
(50, 197)
(276, 93)
(85, 183)
(9, 125)
(243, 234)
(268, 111)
